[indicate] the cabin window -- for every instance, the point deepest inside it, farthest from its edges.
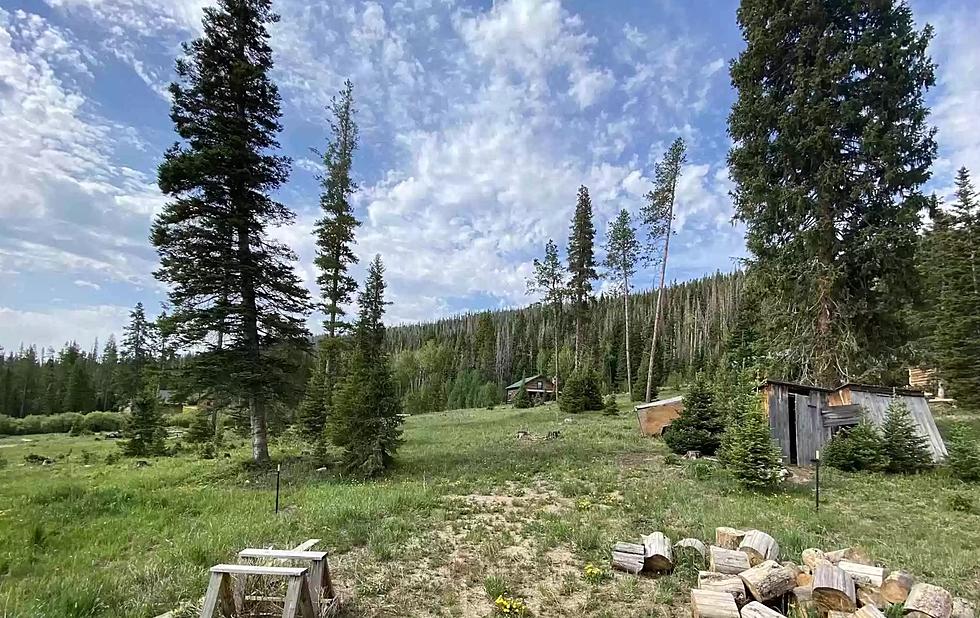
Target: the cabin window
(540, 385)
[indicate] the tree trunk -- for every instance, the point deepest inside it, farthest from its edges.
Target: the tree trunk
(862, 573)
(660, 292)
(759, 547)
(260, 432)
(628, 557)
(657, 553)
(692, 547)
(758, 610)
(557, 319)
(728, 538)
(896, 587)
(626, 308)
(250, 326)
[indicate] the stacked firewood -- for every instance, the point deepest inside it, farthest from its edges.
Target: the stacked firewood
(744, 579)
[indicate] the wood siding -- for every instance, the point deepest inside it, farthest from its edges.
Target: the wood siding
(876, 407)
(809, 428)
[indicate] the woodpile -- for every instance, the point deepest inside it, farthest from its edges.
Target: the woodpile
(744, 579)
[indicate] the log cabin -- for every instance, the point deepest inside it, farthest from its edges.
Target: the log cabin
(539, 387)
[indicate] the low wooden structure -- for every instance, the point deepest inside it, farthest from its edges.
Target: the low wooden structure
(656, 415)
(538, 386)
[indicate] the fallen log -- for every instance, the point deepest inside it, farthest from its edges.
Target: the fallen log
(897, 586)
(727, 560)
(862, 573)
(833, 589)
(691, 547)
(759, 546)
(657, 554)
(628, 557)
(758, 610)
(728, 538)
(711, 604)
(720, 582)
(926, 600)
(768, 580)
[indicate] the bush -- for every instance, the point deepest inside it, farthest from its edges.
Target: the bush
(8, 425)
(104, 421)
(609, 408)
(856, 449)
(964, 455)
(700, 424)
(522, 399)
(905, 450)
(68, 422)
(580, 393)
(754, 458)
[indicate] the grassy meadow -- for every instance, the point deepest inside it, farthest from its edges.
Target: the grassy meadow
(470, 512)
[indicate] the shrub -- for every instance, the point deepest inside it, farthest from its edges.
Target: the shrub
(580, 393)
(60, 423)
(964, 455)
(754, 458)
(905, 450)
(31, 424)
(856, 449)
(609, 408)
(699, 426)
(8, 425)
(522, 399)
(104, 421)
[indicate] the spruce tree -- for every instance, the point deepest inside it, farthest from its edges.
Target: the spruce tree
(622, 256)
(856, 449)
(334, 236)
(831, 148)
(234, 293)
(549, 281)
(700, 424)
(202, 427)
(365, 421)
(658, 216)
(522, 399)
(312, 413)
(79, 394)
(905, 450)
(144, 432)
(581, 265)
(581, 393)
(964, 455)
(137, 352)
(752, 456)
(107, 380)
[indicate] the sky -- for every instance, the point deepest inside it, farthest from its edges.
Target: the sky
(479, 121)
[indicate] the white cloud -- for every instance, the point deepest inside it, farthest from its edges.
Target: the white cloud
(54, 326)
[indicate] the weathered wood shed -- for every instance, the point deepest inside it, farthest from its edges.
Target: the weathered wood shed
(656, 415)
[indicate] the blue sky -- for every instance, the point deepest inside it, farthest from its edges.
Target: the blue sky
(479, 121)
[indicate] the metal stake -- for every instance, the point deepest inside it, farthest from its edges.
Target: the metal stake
(278, 469)
(817, 462)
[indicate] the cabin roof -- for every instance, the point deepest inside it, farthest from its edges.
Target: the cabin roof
(659, 402)
(809, 387)
(881, 390)
(523, 381)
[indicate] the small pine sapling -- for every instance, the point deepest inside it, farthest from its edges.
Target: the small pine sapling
(700, 424)
(856, 449)
(904, 448)
(963, 459)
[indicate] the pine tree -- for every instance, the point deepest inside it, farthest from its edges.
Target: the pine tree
(365, 421)
(107, 380)
(145, 432)
(581, 264)
(522, 399)
(137, 351)
(622, 256)
(700, 424)
(234, 294)
(964, 455)
(79, 394)
(549, 281)
(312, 414)
(202, 427)
(752, 456)
(581, 393)
(905, 450)
(485, 346)
(658, 216)
(334, 234)
(831, 148)
(609, 407)
(856, 449)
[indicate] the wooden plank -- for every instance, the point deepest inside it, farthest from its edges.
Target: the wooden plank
(254, 569)
(219, 597)
(282, 554)
(306, 545)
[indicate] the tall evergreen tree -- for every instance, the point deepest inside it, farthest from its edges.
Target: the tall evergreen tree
(107, 381)
(658, 216)
(334, 235)
(233, 290)
(549, 282)
(581, 264)
(137, 352)
(622, 256)
(79, 394)
(365, 421)
(831, 147)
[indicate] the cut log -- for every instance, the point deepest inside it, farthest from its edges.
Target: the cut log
(836, 556)
(835, 614)
(928, 600)
(868, 611)
(897, 586)
(728, 538)
(758, 610)
(804, 579)
(802, 598)
(963, 608)
(862, 573)
(657, 554)
(727, 560)
(691, 547)
(812, 556)
(711, 604)
(759, 546)
(833, 589)
(870, 595)
(627, 557)
(768, 580)
(720, 582)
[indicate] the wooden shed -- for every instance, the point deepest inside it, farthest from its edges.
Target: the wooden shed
(656, 415)
(804, 417)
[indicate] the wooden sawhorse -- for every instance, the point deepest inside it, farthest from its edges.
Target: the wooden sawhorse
(221, 593)
(321, 588)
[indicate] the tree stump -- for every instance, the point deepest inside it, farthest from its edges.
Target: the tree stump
(657, 554)
(759, 546)
(627, 557)
(727, 560)
(833, 589)
(711, 604)
(728, 538)
(862, 573)
(926, 600)
(691, 547)
(896, 587)
(720, 582)
(768, 580)
(758, 610)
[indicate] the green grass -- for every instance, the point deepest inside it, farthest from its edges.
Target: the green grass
(470, 510)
